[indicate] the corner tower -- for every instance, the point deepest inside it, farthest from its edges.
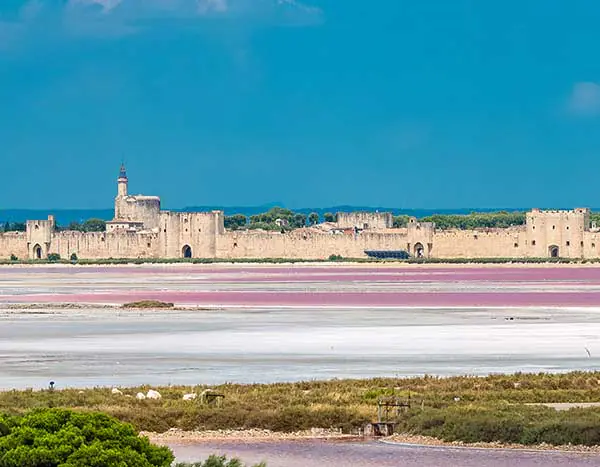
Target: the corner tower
(122, 183)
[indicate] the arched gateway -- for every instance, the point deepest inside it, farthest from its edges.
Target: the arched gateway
(37, 252)
(419, 250)
(187, 251)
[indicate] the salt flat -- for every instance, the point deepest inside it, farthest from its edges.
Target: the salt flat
(105, 347)
(293, 323)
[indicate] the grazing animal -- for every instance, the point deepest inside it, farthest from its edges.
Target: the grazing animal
(152, 394)
(189, 397)
(115, 391)
(140, 396)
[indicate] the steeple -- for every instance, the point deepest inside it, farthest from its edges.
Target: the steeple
(122, 182)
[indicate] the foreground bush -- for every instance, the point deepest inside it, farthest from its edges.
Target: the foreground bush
(57, 437)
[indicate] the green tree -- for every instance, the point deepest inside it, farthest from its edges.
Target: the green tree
(400, 221)
(475, 220)
(75, 226)
(313, 218)
(298, 221)
(235, 222)
(94, 225)
(58, 437)
(329, 217)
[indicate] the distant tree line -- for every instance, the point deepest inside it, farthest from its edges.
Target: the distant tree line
(276, 219)
(286, 219)
(281, 219)
(14, 227)
(91, 225)
(476, 220)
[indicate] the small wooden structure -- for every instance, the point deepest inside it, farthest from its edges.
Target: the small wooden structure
(390, 407)
(210, 397)
(388, 411)
(379, 429)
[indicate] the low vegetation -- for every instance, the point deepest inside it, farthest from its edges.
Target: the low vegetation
(217, 461)
(493, 408)
(505, 423)
(332, 258)
(149, 304)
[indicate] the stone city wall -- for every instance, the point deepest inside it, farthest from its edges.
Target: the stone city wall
(13, 243)
(99, 245)
(301, 244)
(365, 220)
(488, 243)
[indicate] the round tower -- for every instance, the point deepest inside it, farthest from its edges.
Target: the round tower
(122, 182)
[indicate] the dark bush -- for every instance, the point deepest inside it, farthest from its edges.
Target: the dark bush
(58, 437)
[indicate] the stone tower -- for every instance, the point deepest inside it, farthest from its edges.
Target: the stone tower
(122, 183)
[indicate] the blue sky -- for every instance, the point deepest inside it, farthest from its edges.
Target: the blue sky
(410, 104)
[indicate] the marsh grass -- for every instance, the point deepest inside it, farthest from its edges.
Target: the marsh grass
(331, 258)
(488, 409)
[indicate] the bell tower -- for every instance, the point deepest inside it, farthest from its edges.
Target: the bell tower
(122, 183)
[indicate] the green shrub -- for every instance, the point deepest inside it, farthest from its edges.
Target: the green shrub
(52, 257)
(149, 304)
(59, 437)
(217, 461)
(74, 257)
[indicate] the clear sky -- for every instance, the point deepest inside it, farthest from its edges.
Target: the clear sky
(408, 104)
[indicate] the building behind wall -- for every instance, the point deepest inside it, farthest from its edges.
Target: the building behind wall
(141, 229)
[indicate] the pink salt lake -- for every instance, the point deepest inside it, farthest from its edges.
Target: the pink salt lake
(280, 323)
(296, 323)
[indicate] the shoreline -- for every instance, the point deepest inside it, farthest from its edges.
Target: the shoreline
(457, 263)
(181, 437)
(404, 439)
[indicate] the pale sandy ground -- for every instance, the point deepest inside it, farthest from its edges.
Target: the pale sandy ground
(561, 406)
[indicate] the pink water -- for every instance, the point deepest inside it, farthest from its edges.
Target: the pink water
(323, 454)
(365, 286)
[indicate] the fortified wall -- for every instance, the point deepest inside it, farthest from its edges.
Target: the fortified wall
(140, 229)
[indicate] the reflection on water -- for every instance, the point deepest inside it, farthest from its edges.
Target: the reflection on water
(335, 454)
(105, 347)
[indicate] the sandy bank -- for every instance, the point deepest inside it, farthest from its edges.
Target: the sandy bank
(417, 440)
(177, 436)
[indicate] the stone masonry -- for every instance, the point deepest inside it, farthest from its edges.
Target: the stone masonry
(140, 229)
